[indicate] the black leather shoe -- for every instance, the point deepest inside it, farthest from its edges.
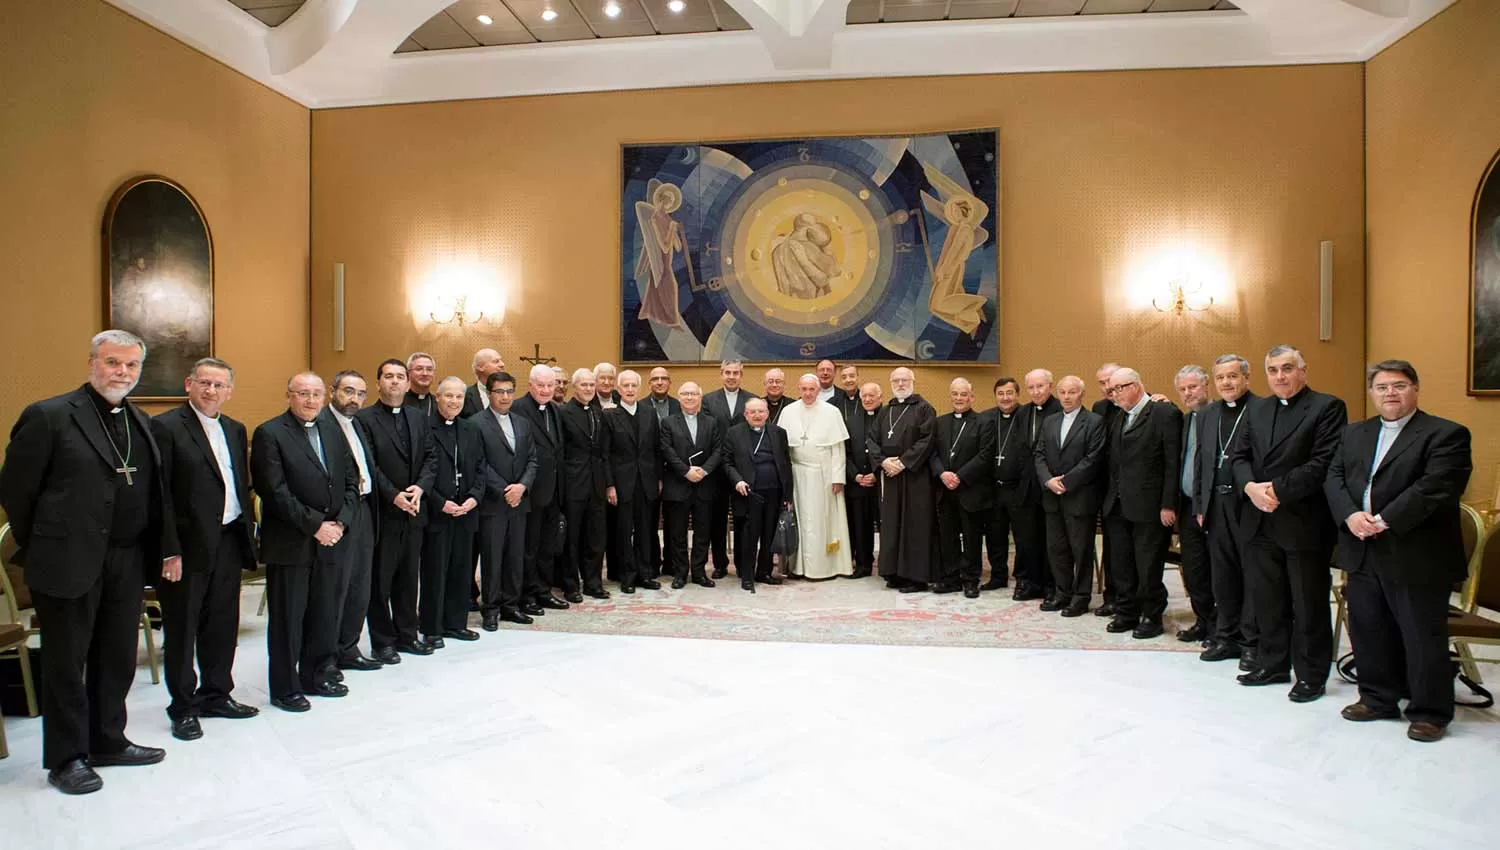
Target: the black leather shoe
(1052, 604)
(1147, 630)
(329, 689)
(1361, 713)
(995, 585)
(433, 641)
(75, 777)
(333, 675)
(358, 662)
(1250, 654)
(703, 582)
(1105, 610)
(719, 572)
(747, 584)
(296, 703)
(516, 617)
(679, 583)
(768, 579)
(1247, 664)
(971, 590)
(492, 622)
(1222, 650)
(134, 755)
(913, 587)
(415, 648)
(550, 601)
(1120, 625)
(387, 655)
(574, 597)
(627, 588)
(531, 609)
(946, 587)
(228, 709)
(1196, 633)
(597, 593)
(1259, 678)
(859, 572)
(461, 634)
(1076, 609)
(186, 728)
(896, 583)
(648, 584)
(1306, 692)
(1025, 592)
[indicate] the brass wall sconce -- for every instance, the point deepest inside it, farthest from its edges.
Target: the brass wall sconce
(1182, 296)
(455, 311)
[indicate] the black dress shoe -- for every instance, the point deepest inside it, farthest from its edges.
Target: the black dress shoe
(75, 777)
(461, 634)
(531, 609)
(387, 655)
(1120, 625)
(296, 703)
(768, 579)
(1196, 633)
(1027, 592)
(574, 597)
(992, 584)
(896, 583)
(971, 590)
(1076, 609)
(415, 648)
(515, 617)
(649, 584)
(1220, 650)
(432, 641)
(186, 728)
(1147, 629)
(1252, 655)
(1105, 610)
(134, 755)
(946, 587)
(679, 583)
(333, 675)
(719, 572)
(492, 622)
(228, 708)
(1306, 692)
(703, 582)
(329, 689)
(1259, 678)
(550, 601)
(596, 593)
(747, 584)
(627, 588)
(913, 587)
(1052, 604)
(859, 572)
(1247, 664)
(358, 662)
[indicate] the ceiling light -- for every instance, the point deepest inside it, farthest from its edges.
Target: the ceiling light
(549, 15)
(612, 9)
(676, 7)
(486, 20)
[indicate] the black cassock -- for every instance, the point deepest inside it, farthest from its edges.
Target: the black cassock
(904, 429)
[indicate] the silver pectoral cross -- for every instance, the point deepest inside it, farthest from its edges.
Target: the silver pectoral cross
(126, 470)
(457, 477)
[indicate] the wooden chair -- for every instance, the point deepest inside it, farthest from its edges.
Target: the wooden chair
(151, 605)
(17, 600)
(1466, 626)
(13, 637)
(257, 577)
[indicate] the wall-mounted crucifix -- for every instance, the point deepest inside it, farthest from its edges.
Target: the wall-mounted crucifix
(536, 356)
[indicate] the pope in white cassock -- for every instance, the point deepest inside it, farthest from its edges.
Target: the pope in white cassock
(815, 433)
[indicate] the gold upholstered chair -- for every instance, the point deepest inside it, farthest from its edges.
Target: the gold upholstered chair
(1466, 625)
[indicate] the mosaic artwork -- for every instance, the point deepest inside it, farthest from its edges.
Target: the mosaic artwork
(881, 249)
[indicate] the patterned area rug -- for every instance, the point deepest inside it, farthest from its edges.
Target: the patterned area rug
(855, 611)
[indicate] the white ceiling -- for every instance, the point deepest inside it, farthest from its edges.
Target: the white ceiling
(332, 53)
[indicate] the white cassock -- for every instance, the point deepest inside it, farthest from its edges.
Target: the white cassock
(816, 436)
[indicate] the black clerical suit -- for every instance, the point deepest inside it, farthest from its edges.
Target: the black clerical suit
(1106, 410)
(1143, 482)
(544, 539)
(1192, 540)
(475, 400)
(1287, 551)
(684, 500)
(502, 529)
(1071, 517)
(425, 404)
(633, 471)
(305, 476)
(585, 443)
(774, 406)
(404, 456)
(963, 444)
(761, 459)
(661, 408)
(861, 504)
(716, 404)
(201, 610)
(447, 541)
(89, 540)
(1024, 506)
(1012, 473)
(1398, 581)
(1221, 503)
(355, 551)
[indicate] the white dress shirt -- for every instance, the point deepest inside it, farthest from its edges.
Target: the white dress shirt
(506, 427)
(1067, 425)
(692, 426)
(825, 395)
(731, 399)
(1384, 439)
(358, 448)
(214, 430)
(1133, 412)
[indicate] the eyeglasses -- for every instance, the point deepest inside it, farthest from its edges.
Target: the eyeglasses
(1117, 387)
(1398, 387)
(307, 395)
(206, 384)
(503, 391)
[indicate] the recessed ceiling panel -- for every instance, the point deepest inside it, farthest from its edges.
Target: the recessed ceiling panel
(1114, 7)
(1048, 8)
(630, 20)
(503, 26)
(978, 9)
(441, 32)
(728, 18)
(567, 26)
(696, 16)
(1183, 5)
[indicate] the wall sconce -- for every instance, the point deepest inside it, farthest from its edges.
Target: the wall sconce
(1182, 296)
(454, 310)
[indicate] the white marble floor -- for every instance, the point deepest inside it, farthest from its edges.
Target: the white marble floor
(546, 740)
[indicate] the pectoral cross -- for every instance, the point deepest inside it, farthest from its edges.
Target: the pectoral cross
(457, 477)
(126, 470)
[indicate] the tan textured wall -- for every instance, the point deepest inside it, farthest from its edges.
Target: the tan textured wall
(1432, 129)
(1099, 171)
(90, 97)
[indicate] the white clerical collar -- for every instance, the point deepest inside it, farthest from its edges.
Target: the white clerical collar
(870, 412)
(206, 420)
(309, 424)
(629, 406)
(958, 415)
(1228, 403)
(1284, 401)
(396, 411)
(691, 417)
(1396, 424)
(447, 421)
(542, 407)
(755, 428)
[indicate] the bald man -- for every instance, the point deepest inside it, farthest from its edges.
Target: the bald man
(1069, 465)
(961, 466)
(691, 443)
(776, 397)
(487, 361)
(862, 480)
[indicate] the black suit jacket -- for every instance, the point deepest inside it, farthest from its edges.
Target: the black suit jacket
(1028, 429)
(549, 449)
(680, 451)
(297, 494)
(1208, 457)
(857, 457)
(634, 467)
(716, 404)
(505, 466)
(464, 437)
(191, 471)
(1078, 459)
(58, 486)
(1145, 462)
(473, 402)
(585, 445)
(428, 406)
(739, 462)
(395, 470)
(1295, 460)
(673, 406)
(965, 446)
(1416, 490)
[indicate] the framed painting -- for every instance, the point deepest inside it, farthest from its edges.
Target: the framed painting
(878, 249)
(159, 280)
(1484, 285)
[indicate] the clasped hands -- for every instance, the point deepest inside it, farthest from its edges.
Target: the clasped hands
(409, 500)
(1365, 525)
(329, 533)
(696, 474)
(892, 466)
(1263, 495)
(456, 510)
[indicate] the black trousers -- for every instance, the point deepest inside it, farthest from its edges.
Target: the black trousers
(356, 554)
(393, 597)
(960, 539)
(634, 532)
(1290, 590)
(200, 616)
(997, 533)
(1140, 549)
(1226, 551)
(699, 512)
(447, 575)
(542, 545)
(88, 660)
(1070, 549)
(303, 623)
(1108, 554)
(586, 537)
(1400, 637)
(862, 507)
(1197, 571)
(1029, 526)
(754, 531)
(503, 561)
(611, 542)
(718, 532)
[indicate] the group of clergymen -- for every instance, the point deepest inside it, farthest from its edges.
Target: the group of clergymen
(378, 515)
